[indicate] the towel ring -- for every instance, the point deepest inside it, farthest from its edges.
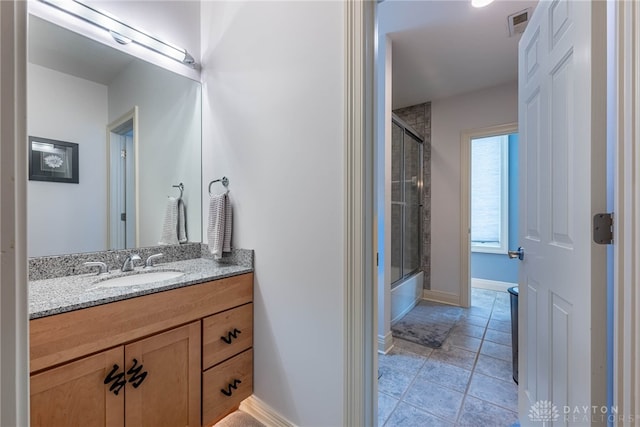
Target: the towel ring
(224, 180)
(180, 187)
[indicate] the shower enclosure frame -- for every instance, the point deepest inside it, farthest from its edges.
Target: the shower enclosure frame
(407, 129)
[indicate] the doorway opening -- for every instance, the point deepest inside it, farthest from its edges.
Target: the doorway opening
(490, 209)
(122, 149)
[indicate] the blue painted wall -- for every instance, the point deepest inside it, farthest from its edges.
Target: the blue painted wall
(498, 266)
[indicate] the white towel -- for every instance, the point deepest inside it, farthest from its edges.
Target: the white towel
(170, 226)
(220, 225)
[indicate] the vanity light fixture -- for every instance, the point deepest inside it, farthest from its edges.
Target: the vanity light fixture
(480, 3)
(121, 32)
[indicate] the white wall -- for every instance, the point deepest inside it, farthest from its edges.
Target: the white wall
(176, 22)
(449, 118)
(169, 109)
(273, 107)
(63, 107)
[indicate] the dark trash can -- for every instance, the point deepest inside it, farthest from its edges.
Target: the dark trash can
(513, 294)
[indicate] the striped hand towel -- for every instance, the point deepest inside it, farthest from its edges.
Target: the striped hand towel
(220, 225)
(182, 222)
(170, 225)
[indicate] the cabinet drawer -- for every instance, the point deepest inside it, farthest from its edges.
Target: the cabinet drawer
(218, 395)
(226, 334)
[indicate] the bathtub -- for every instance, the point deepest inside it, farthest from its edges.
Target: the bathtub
(405, 296)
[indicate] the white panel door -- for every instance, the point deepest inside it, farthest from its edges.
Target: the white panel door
(562, 283)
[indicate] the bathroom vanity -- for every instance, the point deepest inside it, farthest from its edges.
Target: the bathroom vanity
(169, 344)
(180, 354)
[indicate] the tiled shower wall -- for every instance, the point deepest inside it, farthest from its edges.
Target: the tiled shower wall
(419, 118)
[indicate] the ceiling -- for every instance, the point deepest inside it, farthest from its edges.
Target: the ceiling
(441, 48)
(447, 47)
(60, 49)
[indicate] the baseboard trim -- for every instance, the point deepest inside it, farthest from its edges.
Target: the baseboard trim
(385, 343)
(492, 285)
(264, 413)
(441, 297)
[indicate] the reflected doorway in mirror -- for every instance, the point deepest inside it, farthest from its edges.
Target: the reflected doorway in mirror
(122, 166)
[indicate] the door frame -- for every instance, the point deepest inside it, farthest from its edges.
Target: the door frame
(625, 144)
(360, 236)
(14, 304)
(465, 201)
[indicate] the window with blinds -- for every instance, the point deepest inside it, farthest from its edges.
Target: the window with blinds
(489, 194)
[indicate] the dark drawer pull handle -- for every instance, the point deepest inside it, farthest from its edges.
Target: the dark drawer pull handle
(231, 335)
(117, 380)
(234, 386)
(136, 377)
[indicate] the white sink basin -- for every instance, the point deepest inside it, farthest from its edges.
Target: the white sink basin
(138, 279)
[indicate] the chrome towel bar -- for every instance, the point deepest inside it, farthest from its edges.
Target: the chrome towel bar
(224, 180)
(180, 187)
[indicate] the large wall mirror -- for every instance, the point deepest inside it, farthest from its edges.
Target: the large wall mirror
(138, 130)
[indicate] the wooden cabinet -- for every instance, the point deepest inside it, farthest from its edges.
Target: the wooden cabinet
(156, 379)
(174, 337)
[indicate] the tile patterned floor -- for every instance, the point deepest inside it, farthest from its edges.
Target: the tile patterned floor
(467, 382)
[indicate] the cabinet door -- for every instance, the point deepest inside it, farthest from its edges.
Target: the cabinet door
(169, 394)
(75, 394)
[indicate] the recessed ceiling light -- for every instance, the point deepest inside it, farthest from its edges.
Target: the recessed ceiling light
(480, 3)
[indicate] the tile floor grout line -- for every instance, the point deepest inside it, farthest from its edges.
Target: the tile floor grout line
(392, 410)
(404, 393)
(478, 356)
(402, 396)
(422, 409)
(473, 369)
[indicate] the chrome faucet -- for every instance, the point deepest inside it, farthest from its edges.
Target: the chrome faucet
(102, 267)
(127, 265)
(150, 262)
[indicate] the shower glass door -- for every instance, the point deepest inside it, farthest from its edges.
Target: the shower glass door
(406, 201)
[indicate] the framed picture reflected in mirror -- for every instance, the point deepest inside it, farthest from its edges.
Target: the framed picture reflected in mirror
(52, 160)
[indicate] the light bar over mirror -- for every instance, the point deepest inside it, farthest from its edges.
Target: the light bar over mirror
(121, 32)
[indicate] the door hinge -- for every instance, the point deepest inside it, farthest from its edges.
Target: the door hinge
(603, 228)
(123, 216)
(377, 259)
(123, 154)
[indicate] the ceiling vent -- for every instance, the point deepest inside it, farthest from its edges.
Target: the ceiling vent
(518, 22)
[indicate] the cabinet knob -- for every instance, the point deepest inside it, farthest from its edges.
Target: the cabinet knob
(136, 377)
(118, 380)
(230, 388)
(231, 336)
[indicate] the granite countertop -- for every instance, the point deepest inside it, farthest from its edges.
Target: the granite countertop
(63, 294)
